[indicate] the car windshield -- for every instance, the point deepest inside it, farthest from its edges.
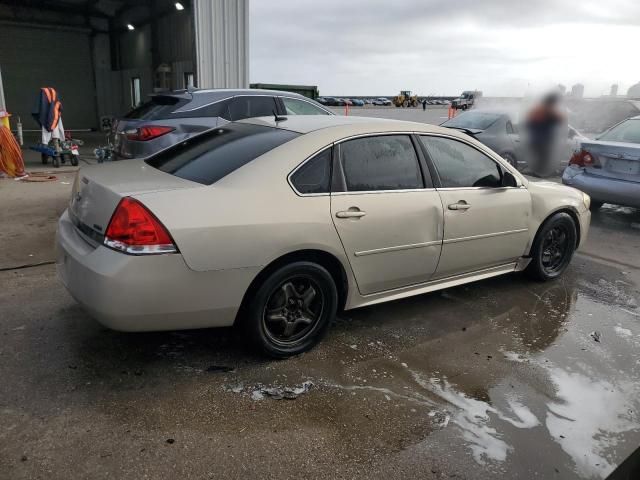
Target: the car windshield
(627, 131)
(158, 107)
(475, 120)
(208, 157)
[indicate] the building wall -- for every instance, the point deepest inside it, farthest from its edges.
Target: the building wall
(222, 43)
(36, 56)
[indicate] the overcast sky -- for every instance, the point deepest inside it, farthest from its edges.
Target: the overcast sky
(441, 47)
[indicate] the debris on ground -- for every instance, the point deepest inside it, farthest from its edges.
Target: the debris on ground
(288, 393)
(596, 336)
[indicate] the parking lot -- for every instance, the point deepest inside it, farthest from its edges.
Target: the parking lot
(505, 378)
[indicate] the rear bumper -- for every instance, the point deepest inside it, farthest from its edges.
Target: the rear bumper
(146, 293)
(602, 189)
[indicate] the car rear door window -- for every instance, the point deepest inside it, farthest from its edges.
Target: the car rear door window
(460, 165)
(208, 157)
(252, 106)
(217, 109)
(386, 162)
(314, 176)
(301, 107)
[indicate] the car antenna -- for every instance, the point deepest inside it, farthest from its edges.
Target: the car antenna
(278, 118)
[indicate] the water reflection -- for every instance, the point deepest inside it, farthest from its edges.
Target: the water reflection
(579, 394)
(588, 416)
(474, 419)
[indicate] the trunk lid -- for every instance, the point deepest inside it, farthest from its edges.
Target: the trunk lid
(616, 160)
(98, 190)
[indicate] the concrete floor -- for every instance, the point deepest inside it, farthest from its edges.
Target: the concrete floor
(498, 379)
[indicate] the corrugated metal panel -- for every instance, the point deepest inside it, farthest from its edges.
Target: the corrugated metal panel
(175, 37)
(35, 57)
(222, 43)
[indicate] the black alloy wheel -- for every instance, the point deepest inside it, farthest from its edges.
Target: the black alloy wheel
(553, 247)
(291, 309)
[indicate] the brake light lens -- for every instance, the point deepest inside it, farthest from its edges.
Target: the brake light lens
(581, 158)
(148, 132)
(133, 229)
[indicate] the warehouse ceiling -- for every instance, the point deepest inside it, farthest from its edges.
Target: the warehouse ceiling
(98, 15)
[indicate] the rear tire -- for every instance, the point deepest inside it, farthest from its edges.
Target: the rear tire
(44, 158)
(291, 310)
(74, 160)
(56, 161)
(553, 247)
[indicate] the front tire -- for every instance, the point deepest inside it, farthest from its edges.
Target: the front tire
(553, 247)
(291, 310)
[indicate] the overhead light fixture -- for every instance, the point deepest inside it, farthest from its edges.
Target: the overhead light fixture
(179, 6)
(130, 27)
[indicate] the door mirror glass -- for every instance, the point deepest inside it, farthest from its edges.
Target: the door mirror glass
(509, 180)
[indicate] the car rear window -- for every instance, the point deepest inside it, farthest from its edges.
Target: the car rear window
(158, 107)
(627, 132)
(475, 120)
(208, 157)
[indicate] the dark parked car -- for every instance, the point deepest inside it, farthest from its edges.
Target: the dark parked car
(171, 117)
(495, 129)
(334, 102)
(356, 102)
(608, 168)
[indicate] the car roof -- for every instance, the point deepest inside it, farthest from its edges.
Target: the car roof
(202, 97)
(348, 124)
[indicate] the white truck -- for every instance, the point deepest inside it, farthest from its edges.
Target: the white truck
(466, 100)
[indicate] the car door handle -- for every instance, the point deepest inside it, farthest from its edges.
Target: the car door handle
(459, 206)
(350, 213)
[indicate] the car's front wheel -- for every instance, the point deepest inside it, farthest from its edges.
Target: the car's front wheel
(291, 310)
(553, 247)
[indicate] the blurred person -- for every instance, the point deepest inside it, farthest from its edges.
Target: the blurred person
(543, 124)
(424, 104)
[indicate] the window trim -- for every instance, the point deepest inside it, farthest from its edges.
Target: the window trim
(277, 97)
(337, 167)
(421, 153)
(433, 168)
(303, 163)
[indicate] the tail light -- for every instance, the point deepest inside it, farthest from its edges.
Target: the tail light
(147, 132)
(582, 158)
(135, 230)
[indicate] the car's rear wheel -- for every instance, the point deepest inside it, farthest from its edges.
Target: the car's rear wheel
(291, 310)
(553, 247)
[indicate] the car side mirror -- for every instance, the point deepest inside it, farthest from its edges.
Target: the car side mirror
(509, 180)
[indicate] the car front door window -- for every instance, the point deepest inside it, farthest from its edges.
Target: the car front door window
(460, 165)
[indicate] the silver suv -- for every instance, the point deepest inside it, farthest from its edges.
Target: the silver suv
(170, 117)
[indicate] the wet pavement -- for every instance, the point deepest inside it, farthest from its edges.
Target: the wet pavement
(499, 379)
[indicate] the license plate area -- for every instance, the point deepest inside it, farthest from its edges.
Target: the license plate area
(627, 167)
